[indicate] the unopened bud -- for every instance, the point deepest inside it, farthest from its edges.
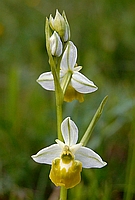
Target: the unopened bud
(55, 44)
(60, 25)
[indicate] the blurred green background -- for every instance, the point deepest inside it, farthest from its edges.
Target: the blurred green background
(104, 33)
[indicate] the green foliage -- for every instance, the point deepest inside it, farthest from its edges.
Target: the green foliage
(104, 33)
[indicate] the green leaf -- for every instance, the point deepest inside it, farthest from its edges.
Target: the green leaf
(91, 126)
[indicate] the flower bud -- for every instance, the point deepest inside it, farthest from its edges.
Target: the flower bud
(60, 25)
(55, 44)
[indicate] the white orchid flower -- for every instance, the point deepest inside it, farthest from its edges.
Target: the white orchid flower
(72, 81)
(67, 158)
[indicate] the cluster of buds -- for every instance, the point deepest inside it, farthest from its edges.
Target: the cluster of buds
(61, 33)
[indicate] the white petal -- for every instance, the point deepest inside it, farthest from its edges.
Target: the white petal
(78, 68)
(69, 132)
(48, 154)
(82, 84)
(75, 147)
(46, 81)
(89, 158)
(60, 143)
(69, 57)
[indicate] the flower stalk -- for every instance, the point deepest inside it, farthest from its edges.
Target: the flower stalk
(63, 193)
(58, 93)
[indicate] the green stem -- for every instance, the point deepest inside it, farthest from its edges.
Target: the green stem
(54, 63)
(59, 103)
(91, 126)
(63, 193)
(55, 68)
(130, 175)
(59, 121)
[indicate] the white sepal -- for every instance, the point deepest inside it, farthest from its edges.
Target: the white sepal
(46, 81)
(89, 158)
(48, 154)
(82, 84)
(69, 57)
(69, 132)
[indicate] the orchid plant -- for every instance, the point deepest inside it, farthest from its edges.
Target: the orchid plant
(66, 157)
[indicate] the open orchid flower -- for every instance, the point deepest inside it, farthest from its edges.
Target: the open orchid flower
(67, 158)
(73, 83)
